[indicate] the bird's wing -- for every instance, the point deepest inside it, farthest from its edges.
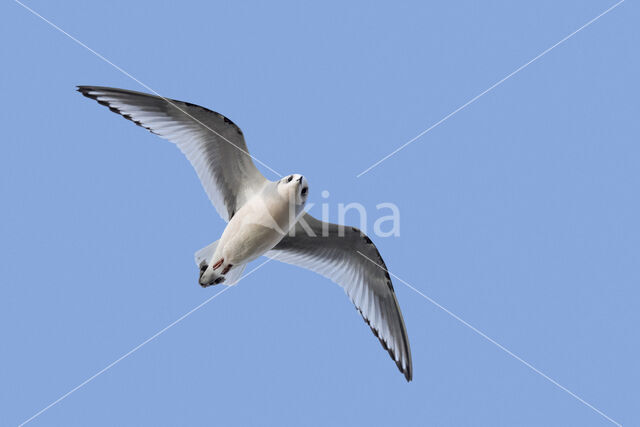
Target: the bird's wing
(213, 144)
(349, 258)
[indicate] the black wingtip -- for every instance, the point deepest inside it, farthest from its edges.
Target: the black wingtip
(85, 91)
(408, 375)
(408, 371)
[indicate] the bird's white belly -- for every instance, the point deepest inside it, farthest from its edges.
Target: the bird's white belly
(248, 243)
(256, 228)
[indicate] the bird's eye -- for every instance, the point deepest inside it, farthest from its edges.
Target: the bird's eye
(290, 178)
(304, 191)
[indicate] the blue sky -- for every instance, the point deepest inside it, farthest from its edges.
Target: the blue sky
(519, 214)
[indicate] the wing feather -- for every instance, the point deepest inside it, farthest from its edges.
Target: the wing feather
(337, 256)
(212, 143)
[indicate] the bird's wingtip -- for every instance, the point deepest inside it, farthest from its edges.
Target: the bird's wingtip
(87, 91)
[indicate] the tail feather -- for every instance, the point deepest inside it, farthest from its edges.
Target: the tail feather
(232, 277)
(203, 257)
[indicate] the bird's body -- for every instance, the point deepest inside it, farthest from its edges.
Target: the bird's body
(256, 228)
(266, 217)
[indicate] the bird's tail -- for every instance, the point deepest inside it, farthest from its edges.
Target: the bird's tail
(204, 255)
(232, 277)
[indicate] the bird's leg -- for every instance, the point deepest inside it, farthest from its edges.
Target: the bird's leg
(227, 268)
(218, 264)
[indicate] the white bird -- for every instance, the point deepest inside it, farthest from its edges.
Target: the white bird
(266, 217)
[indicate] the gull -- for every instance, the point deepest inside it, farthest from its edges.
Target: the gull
(266, 217)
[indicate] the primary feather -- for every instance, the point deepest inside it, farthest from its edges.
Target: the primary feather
(213, 144)
(336, 252)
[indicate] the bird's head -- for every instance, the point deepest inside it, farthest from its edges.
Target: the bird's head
(294, 187)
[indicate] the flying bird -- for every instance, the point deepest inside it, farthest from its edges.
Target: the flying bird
(265, 217)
